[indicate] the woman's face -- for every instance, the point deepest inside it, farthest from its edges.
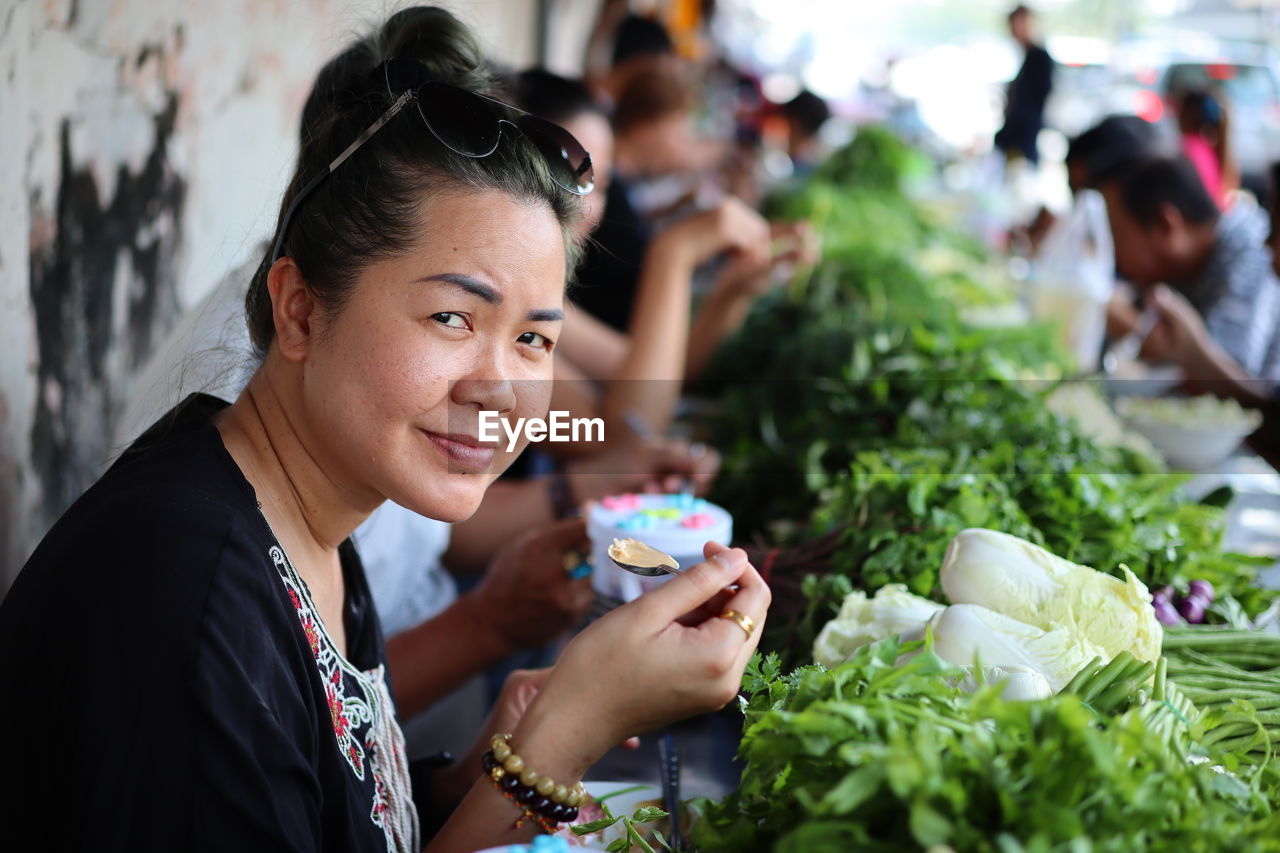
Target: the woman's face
(395, 380)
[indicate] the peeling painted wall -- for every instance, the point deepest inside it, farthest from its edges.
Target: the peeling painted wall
(143, 149)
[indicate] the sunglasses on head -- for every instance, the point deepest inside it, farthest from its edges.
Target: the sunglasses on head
(466, 123)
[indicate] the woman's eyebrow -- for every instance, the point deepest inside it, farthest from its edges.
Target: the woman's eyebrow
(474, 286)
(545, 315)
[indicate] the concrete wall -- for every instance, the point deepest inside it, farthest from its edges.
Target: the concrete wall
(144, 146)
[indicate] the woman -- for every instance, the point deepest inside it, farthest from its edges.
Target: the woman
(192, 652)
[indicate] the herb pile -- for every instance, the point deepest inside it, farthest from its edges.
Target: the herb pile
(878, 755)
(859, 403)
(864, 423)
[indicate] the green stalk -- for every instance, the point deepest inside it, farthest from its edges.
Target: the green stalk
(1105, 678)
(1115, 695)
(1236, 744)
(1082, 676)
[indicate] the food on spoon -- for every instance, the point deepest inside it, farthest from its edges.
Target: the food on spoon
(658, 520)
(633, 552)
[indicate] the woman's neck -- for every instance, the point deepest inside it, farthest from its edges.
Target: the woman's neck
(267, 436)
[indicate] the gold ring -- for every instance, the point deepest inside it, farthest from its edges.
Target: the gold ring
(742, 620)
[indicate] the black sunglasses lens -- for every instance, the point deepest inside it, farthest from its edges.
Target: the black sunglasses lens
(471, 125)
(460, 119)
(569, 161)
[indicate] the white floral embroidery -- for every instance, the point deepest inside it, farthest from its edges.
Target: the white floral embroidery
(358, 700)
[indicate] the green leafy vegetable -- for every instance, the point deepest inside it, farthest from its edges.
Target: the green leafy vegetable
(860, 402)
(887, 756)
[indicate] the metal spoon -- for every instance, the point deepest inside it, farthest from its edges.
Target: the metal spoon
(662, 563)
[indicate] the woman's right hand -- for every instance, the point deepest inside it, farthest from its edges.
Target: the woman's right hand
(661, 658)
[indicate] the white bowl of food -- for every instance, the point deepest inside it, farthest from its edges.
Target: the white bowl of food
(1191, 433)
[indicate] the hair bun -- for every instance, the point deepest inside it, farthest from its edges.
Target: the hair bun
(429, 35)
(440, 42)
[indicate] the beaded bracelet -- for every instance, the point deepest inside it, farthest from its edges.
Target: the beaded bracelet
(541, 799)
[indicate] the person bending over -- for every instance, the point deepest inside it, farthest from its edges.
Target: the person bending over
(1168, 230)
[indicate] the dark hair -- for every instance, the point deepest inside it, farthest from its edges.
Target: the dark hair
(555, 98)
(1202, 108)
(1111, 144)
(808, 111)
(639, 36)
(370, 208)
(1157, 181)
(1018, 12)
(651, 95)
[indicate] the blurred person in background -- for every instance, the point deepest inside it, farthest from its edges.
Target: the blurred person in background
(610, 269)
(1075, 266)
(638, 371)
(1100, 152)
(622, 45)
(1027, 94)
(1182, 336)
(653, 137)
(805, 115)
(1168, 230)
(1204, 129)
(1096, 155)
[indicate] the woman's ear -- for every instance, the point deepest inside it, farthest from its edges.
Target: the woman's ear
(292, 308)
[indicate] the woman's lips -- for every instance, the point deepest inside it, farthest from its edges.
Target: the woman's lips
(462, 451)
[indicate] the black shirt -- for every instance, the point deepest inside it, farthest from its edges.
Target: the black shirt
(169, 686)
(609, 274)
(1024, 105)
